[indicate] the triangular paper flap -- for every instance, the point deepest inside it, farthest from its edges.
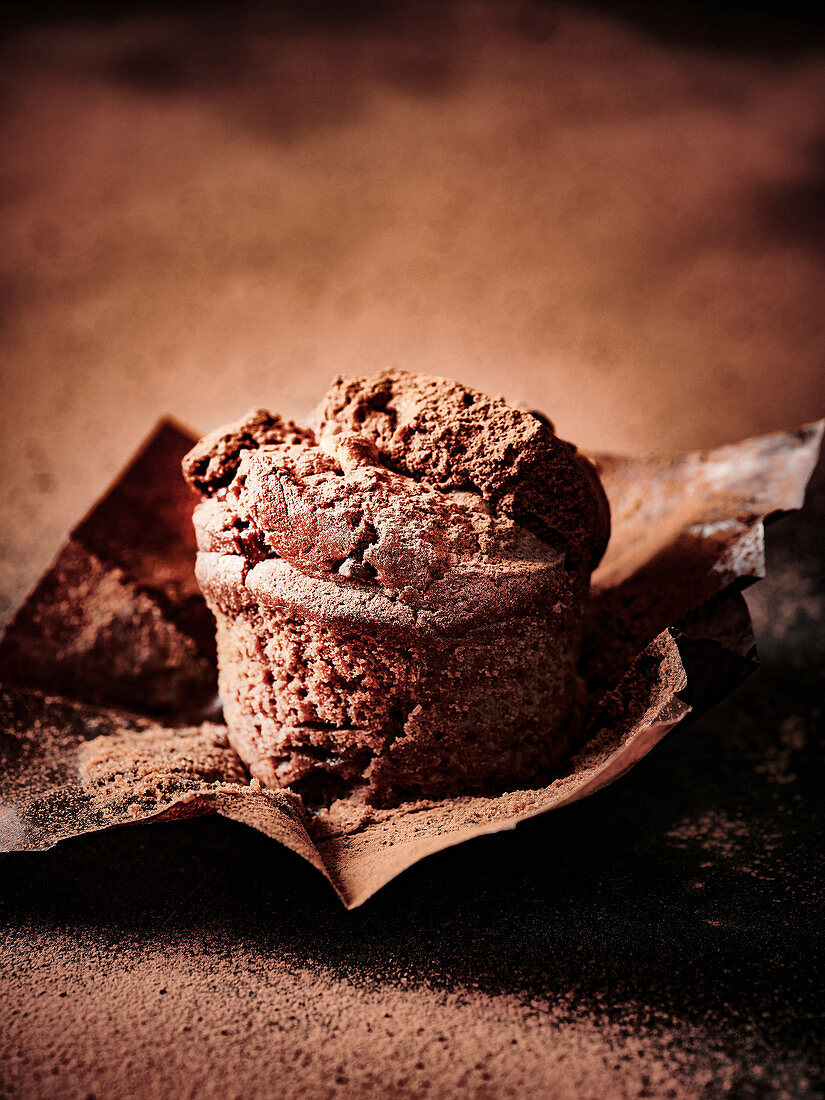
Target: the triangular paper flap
(117, 617)
(685, 527)
(89, 632)
(655, 499)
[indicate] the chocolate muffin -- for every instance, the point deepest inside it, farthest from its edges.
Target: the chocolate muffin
(398, 592)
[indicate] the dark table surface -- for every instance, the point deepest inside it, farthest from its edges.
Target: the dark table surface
(668, 929)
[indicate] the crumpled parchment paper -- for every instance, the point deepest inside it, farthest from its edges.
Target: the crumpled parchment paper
(108, 713)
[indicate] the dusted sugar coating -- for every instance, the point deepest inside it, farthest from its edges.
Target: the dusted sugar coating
(387, 627)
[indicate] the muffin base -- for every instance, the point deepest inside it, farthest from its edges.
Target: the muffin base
(335, 708)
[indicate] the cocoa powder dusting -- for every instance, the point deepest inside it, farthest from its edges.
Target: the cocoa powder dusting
(137, 1017)
(144, 771)
(325, 1036)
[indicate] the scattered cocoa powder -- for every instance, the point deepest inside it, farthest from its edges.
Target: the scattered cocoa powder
(82, 1018)
(145, 770)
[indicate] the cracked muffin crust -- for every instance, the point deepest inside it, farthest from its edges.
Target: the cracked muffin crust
(398, 592)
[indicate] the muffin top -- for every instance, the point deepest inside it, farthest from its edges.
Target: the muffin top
(440, 432)
(417, 489)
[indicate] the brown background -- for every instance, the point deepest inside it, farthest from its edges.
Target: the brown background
(614, 212)
(613, 215)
